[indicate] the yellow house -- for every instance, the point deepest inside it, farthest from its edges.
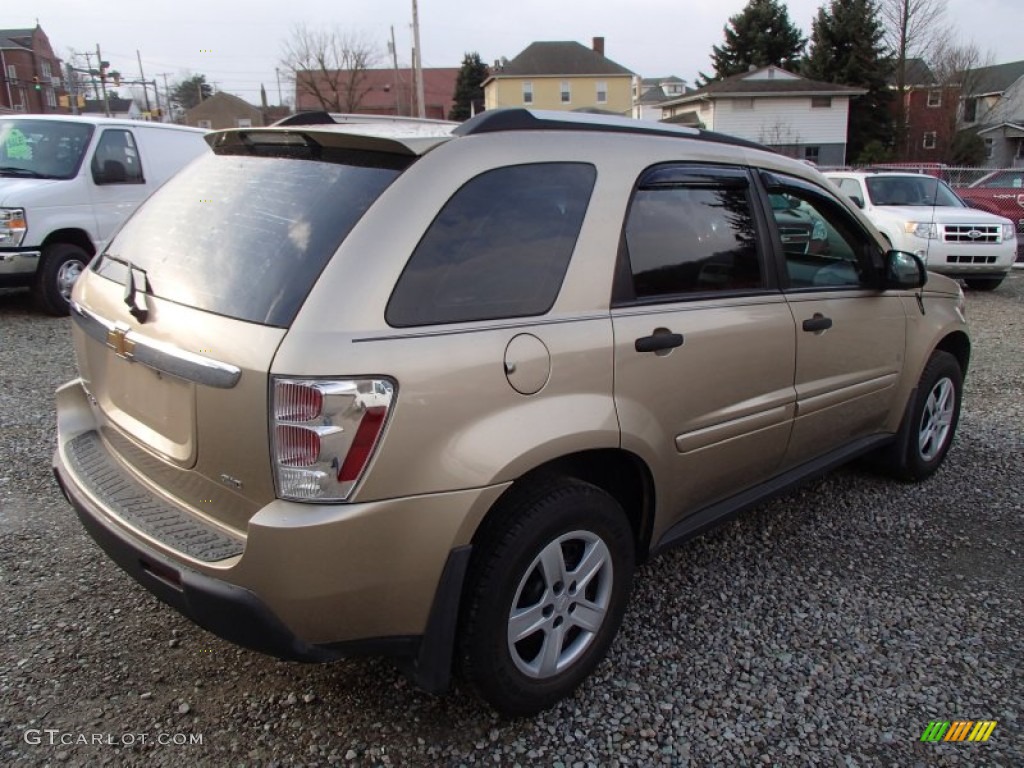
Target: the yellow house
(561, 75)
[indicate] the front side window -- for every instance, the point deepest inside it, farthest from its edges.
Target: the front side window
(693, 239)
(498, 249)
(566, 91)
(823, 245)
(116, 160)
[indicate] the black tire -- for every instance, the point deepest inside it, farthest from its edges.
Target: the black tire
(983, 283)
(505, 572)
(918, 456)
(60, 265)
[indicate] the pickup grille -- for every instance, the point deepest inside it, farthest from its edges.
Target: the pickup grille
(977, 234)
(123, 495)
(970, 259)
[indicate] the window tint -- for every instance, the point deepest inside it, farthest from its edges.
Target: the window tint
(117, 159)
(824, 247)
(246, 237)
(692, 239)
(499, 248)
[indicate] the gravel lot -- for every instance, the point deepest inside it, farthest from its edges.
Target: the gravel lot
(826, 628)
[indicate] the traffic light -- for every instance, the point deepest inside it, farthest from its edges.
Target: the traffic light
(116, 77)
(36, 84)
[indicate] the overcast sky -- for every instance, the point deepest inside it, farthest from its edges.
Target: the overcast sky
(237, 44)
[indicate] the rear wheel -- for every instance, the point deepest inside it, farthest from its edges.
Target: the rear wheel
(983, 283)
(60, 267)
(547, 589)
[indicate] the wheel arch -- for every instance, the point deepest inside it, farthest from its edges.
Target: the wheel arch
(621, 474)
(959, 346)
(71, 236)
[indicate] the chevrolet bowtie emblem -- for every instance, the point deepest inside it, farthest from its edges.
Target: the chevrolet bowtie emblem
(117, 340)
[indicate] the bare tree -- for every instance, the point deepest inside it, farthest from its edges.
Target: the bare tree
(912, 28)
(330, 65)
(955, 65)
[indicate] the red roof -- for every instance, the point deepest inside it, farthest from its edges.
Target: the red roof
(388, 92)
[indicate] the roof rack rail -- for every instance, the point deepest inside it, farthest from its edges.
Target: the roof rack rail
(520, 119)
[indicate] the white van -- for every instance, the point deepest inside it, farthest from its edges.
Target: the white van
(66, 183)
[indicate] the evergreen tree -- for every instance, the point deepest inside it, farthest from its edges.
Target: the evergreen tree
(847, 48)
(760, 35)
(191, 91)
(468, 87)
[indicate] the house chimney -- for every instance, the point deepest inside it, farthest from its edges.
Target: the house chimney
(599, 46)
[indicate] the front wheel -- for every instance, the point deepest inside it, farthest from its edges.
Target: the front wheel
(60, 267)
(547, 589)
(933, 418)
(983, 283)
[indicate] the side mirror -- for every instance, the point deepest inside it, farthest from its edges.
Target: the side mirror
(857, 201)
(113, 172)
(904, 271)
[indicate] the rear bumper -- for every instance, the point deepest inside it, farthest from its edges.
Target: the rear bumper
(304, 582)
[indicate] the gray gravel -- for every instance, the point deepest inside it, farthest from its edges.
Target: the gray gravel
(826, 628)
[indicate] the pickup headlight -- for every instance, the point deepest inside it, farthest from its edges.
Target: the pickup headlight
(923, 229)
(1008, 232)
(12, 227)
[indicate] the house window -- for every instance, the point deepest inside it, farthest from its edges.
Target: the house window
(745, 103)
(602, 92)
(970, 110)
(705, 106)
(47, 73)
(811, 154)
(244, 122)
(527, 92)
(12, 73)
(207, 124)
(566, 92)
(51, 98)
(934, 98)
(821, 102)
(990, 147)
(929, 140)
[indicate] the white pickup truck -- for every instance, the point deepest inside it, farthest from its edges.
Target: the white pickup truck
(66, 183)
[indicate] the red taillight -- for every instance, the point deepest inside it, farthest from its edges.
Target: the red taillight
(297, 446)
(297, 402)
(362, 443)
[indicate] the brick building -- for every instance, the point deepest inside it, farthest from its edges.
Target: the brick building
(30, 73)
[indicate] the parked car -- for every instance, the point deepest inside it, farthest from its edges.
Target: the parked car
(1002, 193)
(434, 393)
(920, 214)
(66, 183)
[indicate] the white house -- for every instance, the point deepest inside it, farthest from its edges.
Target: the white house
(650, 92)
(994, 106)
(799, 117)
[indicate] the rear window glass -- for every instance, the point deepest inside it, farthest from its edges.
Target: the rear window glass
(498, 249)
(246, 236)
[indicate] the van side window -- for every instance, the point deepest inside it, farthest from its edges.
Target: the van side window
(499, 248)
(117, 159)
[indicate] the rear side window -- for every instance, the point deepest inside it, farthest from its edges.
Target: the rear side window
(499, 248)
(692, 239)
(246, 236)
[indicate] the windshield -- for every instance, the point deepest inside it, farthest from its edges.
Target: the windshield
(246, 237)
(42, 149)
(911, 190)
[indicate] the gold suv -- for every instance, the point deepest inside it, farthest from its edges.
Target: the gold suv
(433, 392)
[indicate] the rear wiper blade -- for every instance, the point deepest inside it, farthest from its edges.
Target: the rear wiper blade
(134, 295)
(16, 171)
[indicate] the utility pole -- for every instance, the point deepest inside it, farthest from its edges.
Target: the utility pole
(71, 89)
(88, 63)
(103, 80)
(277, 71)
(394, 58)
(156, 92)
(142, 76)
(421, 110)
(167, 92)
